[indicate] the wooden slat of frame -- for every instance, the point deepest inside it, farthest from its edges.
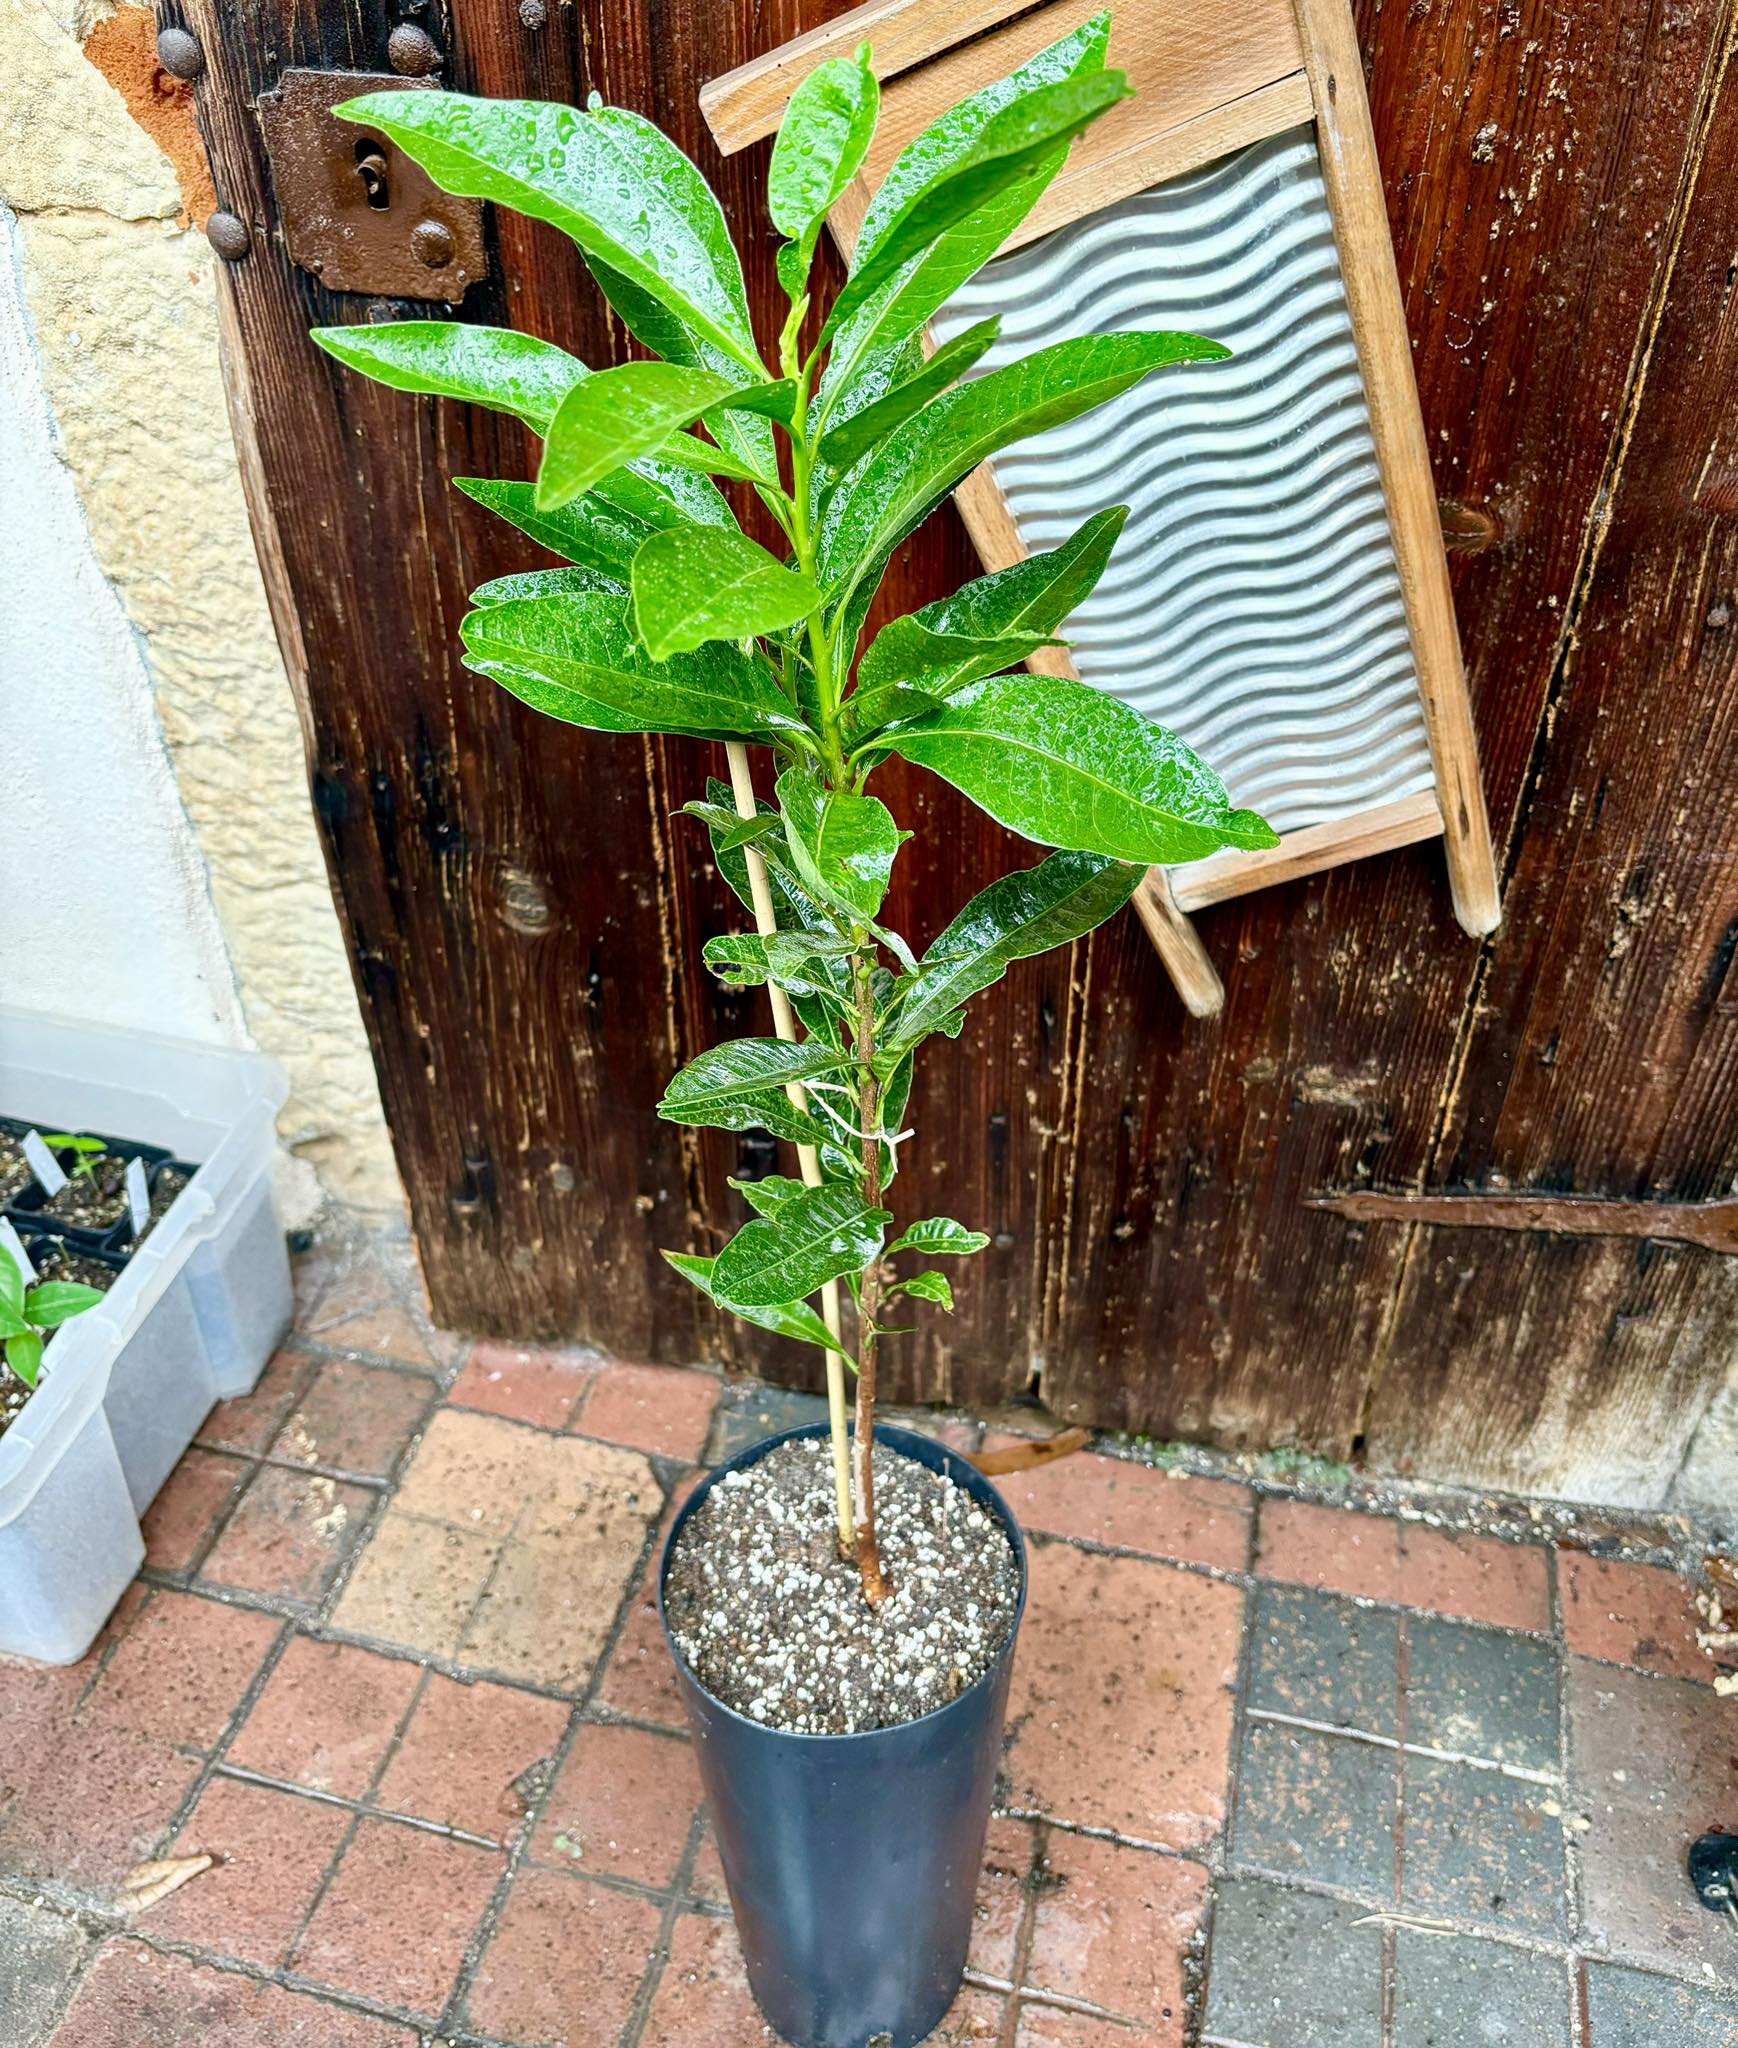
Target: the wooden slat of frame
(1179, 946)
(1354, 182)
(1305, 852)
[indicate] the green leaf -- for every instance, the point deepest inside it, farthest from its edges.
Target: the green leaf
(24, 1355)
(926, 1287)
(820, 1234)
(493, 366)
(11, 1288)
(574, 658)
(608, 420)
(1069, 766)
(548, 583)
(606, 528)
(741, 1069)
(1016, 917)
(693, 584)
(843, 846)
(910, 668)
(1013, 150)
(937, 1235)
(58, 1301)
(1036, 595)
(794, 960)
(914, 469)
(867, 349)
(843, 444)
(767, 1196)
(821, 144)
(786, 1318)
(608, 178)
(775, 401)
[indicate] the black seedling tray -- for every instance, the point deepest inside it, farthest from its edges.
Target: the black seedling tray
(29, 1206)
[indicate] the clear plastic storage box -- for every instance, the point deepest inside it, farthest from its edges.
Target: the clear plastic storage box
(191, 1320)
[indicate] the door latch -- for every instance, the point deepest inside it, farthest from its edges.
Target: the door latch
(356, 212)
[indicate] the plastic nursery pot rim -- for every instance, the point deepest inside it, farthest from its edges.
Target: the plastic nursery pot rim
(958, 1469)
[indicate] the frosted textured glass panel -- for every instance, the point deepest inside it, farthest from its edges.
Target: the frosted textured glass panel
(1253, 603)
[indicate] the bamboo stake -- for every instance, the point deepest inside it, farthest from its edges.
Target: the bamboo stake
(760, 890)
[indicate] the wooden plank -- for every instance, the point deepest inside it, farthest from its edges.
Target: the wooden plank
(1179, 946)
(1603, 1050)
(1352, 172)
(1193, 1293)
(744, 105)
(1712, 1225)
(1308, 851)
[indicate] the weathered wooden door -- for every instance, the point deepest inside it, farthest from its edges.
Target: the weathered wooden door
(525, 913)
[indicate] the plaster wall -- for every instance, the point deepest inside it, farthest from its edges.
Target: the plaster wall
(137, 661)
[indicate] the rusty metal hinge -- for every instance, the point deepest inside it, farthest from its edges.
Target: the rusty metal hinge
(1711, 1225)
(356, 211)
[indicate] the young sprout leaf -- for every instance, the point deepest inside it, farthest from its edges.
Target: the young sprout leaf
(927, 1287)
(821, 143)
(817, 1236)
(843, 845)
(58, 1301)
(24, 1355)
(937, 1235)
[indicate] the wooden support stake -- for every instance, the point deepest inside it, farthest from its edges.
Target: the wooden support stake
(766, 922)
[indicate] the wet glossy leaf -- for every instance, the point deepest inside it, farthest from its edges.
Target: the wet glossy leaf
(934, 1287)
(693, 584)
(843, 845)
(571, 582)
(1069, 766)
(889, 493)
(910, 668)
(843, 444)
(609, 178)
(867, 347)
(821, 143)
(786, 1318)
(574, 658)
(1016, 917)
(937, 1235)
(820, 1234)
(609, 420)
(791, 959)
(1010, 155)
(768, 1195)
(743, 1069)
(493, 366)
(606, 528)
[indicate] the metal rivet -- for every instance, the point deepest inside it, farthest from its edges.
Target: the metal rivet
(532, 13)
(228, 235)
(411, 52)
(179, 53)
(431, 243)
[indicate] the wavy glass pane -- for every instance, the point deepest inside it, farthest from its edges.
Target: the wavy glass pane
(1253, 603)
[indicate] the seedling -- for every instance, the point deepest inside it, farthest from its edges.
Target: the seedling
(28, 1311)
(86, 1152)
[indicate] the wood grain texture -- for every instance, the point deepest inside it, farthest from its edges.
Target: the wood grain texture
(525, 918)
(1308, 850)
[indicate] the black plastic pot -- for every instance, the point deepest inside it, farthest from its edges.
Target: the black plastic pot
(852, 1860)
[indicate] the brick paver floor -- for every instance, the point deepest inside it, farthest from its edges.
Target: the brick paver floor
(1281, 1770)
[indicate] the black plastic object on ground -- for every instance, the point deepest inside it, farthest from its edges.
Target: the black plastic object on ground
(853, 1860)
(1714, 1872)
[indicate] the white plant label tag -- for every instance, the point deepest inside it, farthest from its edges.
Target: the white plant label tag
(10, 1241)
(43, 1163)
(138, 1196)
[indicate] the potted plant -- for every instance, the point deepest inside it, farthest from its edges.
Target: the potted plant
(31, 1310)
(842, 1603)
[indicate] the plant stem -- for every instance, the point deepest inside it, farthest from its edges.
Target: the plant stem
(766, 921)
(875, 1587)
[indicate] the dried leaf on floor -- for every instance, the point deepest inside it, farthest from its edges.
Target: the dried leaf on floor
(1024, 1457)
(146, 1883)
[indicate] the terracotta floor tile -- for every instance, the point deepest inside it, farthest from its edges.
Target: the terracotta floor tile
(472, 1472)
(376, 1305)
(1113, 1926)
(525, 1384)
(290, 1536)
(274, 1849)
(1003, 1887)
(392, 1879)
(463, 1757)
(133, 1996)
(1653, 1763)
(1474, 1578)
(703, 1995)
(417, 1583)
(355, 1418)
(706, 1881)
(326, 1716)
(1629, 1614)
(181, 1672)
(641, 1678)
(250, 1423)
(566, 1963)
(624, 1804)
(1134, 1507)
(181, 1517)
(1047, 2026)
(1121, 1707)
(1334, 1549)
(91, 1806)
(652, 1408)
(974, 2020)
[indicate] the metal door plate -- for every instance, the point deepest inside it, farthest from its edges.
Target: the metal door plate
(356, 211)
